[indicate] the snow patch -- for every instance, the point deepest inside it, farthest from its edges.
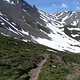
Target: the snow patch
(77, 29)
(12, 3)
(24, 40)
(43, 31)
(24, 10)
(9, 1)
(18, 1)
(8, 23)
(1, 14)
(52, 50)
(14, 23)
(4, 34)
(65, 18)
(2, 23)
(60, 14)
(74, 23)
(24, 32)
(74, 35)
(12, 30)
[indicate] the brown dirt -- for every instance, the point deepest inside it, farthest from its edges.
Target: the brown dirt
(34, 73)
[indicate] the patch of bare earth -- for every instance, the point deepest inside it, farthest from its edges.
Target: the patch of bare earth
(34, 73)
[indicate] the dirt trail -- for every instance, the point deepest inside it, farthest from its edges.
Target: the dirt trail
(74, 76)
(34, 73)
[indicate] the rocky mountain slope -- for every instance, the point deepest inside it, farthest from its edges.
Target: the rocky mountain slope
(59, 31)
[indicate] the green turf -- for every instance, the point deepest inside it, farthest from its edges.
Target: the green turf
(17, 58)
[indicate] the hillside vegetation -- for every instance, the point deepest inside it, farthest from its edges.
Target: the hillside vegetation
(18, 58)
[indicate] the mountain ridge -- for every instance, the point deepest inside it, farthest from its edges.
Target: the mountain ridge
(59, 31)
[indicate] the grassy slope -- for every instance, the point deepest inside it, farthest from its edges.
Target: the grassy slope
(17, 58)
(60, 66)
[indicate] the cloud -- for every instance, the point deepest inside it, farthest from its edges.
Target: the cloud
(64, 5)
(77, 8)
(61, 6)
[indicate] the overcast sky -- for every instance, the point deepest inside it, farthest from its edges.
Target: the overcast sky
(52, 6)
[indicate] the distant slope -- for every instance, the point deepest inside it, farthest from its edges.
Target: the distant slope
(60, 31)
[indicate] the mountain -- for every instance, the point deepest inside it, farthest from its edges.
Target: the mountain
(23, 28)
(22, 21)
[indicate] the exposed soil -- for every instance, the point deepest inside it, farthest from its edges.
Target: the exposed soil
(34, 73)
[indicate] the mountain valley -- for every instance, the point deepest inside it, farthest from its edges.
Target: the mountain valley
(38, 45)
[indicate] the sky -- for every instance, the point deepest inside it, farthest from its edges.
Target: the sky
(52, 6)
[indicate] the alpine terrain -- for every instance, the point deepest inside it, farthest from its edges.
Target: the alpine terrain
(59, 31)
(35, 45)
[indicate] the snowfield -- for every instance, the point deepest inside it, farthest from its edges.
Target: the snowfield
(59, 40)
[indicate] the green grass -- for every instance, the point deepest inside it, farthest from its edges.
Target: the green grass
(17, 58)
(53, 74)
(59, 66)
